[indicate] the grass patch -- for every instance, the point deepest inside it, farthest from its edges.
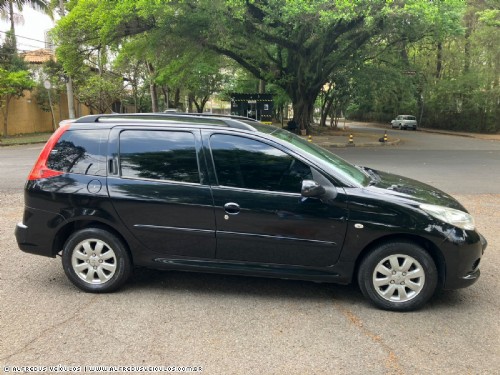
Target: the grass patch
(23, 139)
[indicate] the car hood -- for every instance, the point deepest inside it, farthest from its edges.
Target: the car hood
(412, 191)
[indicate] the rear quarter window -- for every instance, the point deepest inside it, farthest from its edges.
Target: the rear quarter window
(80, 152)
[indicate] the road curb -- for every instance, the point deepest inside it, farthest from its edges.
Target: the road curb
(362, 144)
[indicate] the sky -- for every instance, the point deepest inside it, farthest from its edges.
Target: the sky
(30, 36)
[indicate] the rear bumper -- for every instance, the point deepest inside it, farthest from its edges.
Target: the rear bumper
(36, 232)
(22, 233)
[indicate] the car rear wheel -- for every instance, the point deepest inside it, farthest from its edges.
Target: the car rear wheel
(96, 261)
(398, 276)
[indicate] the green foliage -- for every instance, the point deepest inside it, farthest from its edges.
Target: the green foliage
(100, 92)
(9, 59)
(384, 57)
(381, 91)
(449, 78)
(295, 45)
(199, 73)
(52, 72)
(12, 85)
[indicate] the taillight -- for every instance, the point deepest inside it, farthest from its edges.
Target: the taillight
(40, 169)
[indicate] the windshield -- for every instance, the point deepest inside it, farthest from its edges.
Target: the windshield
(342, 167)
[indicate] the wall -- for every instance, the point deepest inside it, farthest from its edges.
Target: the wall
(25, 116)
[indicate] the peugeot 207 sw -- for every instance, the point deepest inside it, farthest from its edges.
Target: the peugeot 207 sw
(111, 192)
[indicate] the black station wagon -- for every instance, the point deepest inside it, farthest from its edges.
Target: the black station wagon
(225, 195)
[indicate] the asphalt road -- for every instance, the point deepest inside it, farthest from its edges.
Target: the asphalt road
(457, 165)
(241, 325)
(454, 164)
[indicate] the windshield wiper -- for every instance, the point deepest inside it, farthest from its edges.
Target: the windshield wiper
(374, 177)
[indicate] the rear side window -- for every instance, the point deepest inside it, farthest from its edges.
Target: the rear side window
(159, 155)
(81, 152)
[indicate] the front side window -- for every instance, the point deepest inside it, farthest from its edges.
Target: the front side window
(340, 166)
(250, 164)
(158, 155)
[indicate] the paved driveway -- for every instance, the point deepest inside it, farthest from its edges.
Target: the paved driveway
(240, 325)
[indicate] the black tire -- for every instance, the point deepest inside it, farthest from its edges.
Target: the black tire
(398, 276)
(96, 261)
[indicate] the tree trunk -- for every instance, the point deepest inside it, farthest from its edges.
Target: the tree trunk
(12, 28)
(154, 96)
(470, 20)
(303, 112)
(303, 95)
(177, 98)
(439, 60)
(262, 86)
(328, 110)
(190, 103)
(326, 105)
(152, 88)
(5, 115)
(69, 82)
(165, 90)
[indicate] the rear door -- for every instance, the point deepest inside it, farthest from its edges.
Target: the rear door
(158, 188)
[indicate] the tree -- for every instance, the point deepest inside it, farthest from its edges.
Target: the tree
(99, 92)
(335, 97)
(53, 73)
(12, 85)
(14, 78)
(7, 11)
(199, 73)
(295, 45)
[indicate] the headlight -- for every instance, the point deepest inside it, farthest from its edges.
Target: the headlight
(451, 216)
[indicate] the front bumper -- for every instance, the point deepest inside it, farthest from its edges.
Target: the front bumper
(463, 261)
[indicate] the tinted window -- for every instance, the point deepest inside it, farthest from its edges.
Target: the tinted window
(159, 155)
(246, 163)
(341, 166)
(80, 151)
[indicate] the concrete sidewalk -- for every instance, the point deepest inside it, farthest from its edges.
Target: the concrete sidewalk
(490, 137)
(340, 138)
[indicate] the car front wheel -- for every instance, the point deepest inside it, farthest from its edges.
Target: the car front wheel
(96, 261)
(398, 276)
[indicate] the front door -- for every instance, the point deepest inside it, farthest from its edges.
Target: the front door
(261, 216)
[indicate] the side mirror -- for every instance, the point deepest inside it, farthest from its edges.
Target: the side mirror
(311, 189)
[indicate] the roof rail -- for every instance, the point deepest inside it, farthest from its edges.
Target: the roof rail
(184, 118)
(209, 115)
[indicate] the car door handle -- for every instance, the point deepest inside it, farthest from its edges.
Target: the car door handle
(232, 208)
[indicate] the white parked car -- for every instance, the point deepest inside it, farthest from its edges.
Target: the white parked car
(404, 122)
